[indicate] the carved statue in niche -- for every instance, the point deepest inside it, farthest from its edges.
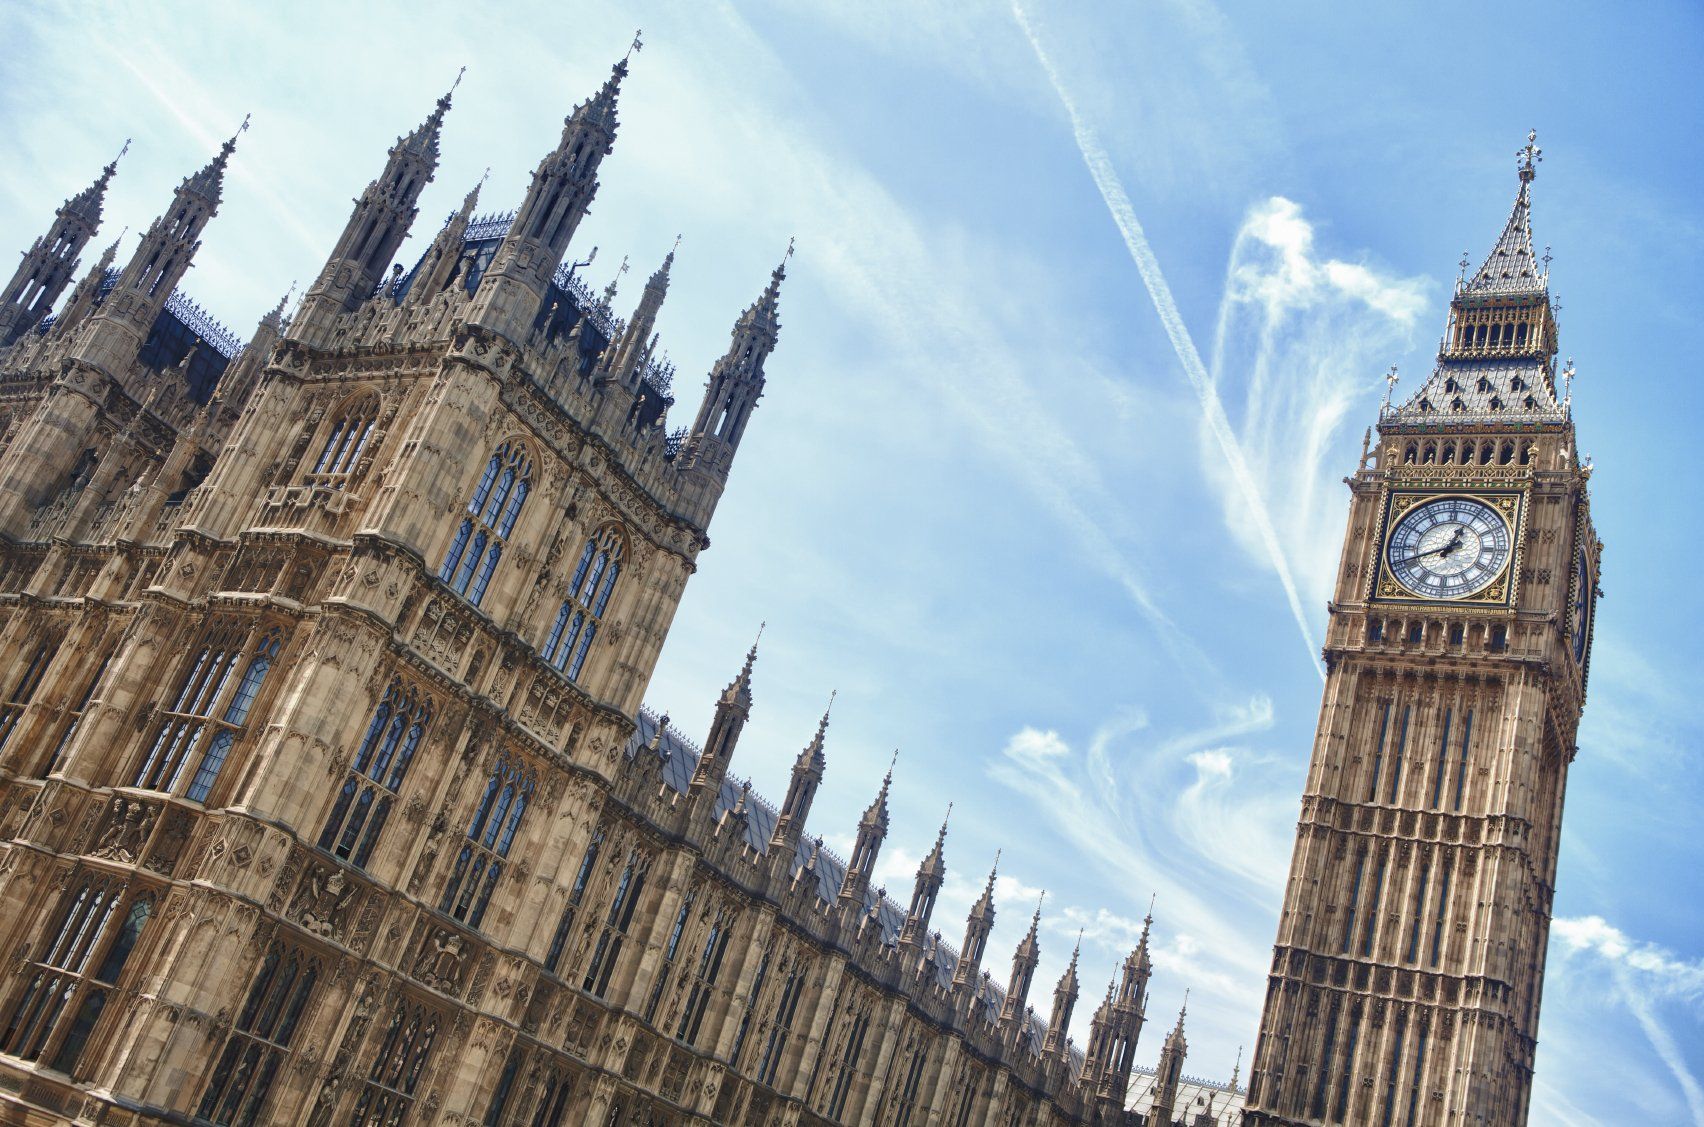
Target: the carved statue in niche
(440, 962)
(323, 904)
(126, 832)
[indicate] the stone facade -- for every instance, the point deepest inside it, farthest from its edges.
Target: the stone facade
(325, 791)
(1410, 956)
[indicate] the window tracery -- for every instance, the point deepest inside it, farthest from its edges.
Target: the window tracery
(490, 834)
(490, 518)
(207, 713)
(364, 803)
(583, 611)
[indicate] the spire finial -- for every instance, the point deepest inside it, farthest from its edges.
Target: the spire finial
(751, 654)
(1039, 901)
(456, 83)
(241, 129)
(637, 45)
(1236, 1069)
(942, 836)
(1078, 949)
(609, 290)
(1390, 386)
(1529, 155)
(675, 247)
(887, 779)
(1568, 385)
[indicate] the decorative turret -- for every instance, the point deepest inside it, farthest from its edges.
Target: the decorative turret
(976, 932)
(511, 294)
(161, 259)
(736, 382)
(239, 379)
(381, 220)
(733, 709)
(801, 789)
(1024, 961)
(930, 876)
(1064, 1001)
(1168, 1072)
(87, 295)
(872, 831)
(629, 352)
(438, 267)
(47, 266)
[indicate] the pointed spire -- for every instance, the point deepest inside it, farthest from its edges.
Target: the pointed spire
(814, 749)
(876, 814)
(599, 109)
(87, 203)
(209, 183)
(274, 317)
(1512, 267)
(424, 139)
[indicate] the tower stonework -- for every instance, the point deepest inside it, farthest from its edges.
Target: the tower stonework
(326, 792)
(1409, 961)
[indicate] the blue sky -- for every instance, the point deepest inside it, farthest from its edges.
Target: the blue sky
(1076, 576)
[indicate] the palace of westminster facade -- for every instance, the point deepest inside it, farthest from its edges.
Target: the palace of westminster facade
(327, 796)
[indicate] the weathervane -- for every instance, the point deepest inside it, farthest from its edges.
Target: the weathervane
(1568, 386)
(637, 45)
(1390, 386)
(609, 290)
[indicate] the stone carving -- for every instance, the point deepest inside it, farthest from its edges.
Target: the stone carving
(126, 831)
(441, 959)
(324, 900)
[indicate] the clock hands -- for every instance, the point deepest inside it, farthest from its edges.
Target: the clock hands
(1454, 543)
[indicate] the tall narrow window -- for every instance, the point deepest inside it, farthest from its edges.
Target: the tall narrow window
(1419, 1074)
(1354, 896)
(207, 714)
(1396, 760)
(908, 1093)
(781, 1027)
(259, 1043)
(553, 1094)
(1378, 751)
(387, 1095)
(490, 517)
(704, 975)
(670, 949)
(69, 982)
(1323, 1071)
(74, 718)
(575, 894)
(1443, 911)
(848, 1065)
(750, 1009)
(490, 834)
(1443, 761)
(616, 922)
(1373, 909)
(1461, 770)
(582, 612)
(496, 1111)
(348, 437)
(1348, 1070)
(13, 710)
(364, 804)
(1391, 1076)
(1419, 912)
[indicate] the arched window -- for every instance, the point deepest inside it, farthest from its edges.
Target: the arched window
(1486, 452)
(1429, 454)
(364, 803)
(399, 1059)
(1507, 454)
(348, 437)
(491, 515)
(1517, 384)
(1410, 454)
(207, 714)
(68, 983)
(1484, 384)
(260, 1040)
(582, 612)
(24, 690)
(490, 834)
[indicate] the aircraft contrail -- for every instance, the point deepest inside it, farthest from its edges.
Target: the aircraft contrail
(1124, 215)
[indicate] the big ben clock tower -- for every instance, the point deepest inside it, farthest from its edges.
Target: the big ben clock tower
(1409, 963)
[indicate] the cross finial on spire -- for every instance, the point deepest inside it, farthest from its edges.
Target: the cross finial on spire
(1529, 155)
(122, 151)
(789, 254)
(457, 82)
(675, 247)
(609, 290)
(638, 44)
(1390, 386)
(243, 128)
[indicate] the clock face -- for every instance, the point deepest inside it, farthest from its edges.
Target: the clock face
(1580, 623)
(1449, 548)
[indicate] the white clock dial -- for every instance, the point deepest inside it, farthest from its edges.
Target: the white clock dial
(1449, 548)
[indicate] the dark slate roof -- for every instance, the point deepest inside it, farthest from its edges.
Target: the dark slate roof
(1485, 391)
(679, 759)
(1511, 267)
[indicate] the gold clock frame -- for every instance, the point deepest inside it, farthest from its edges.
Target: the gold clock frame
(1399, 502)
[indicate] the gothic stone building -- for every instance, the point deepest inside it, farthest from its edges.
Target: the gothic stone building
(1410, 956)
(325, 792)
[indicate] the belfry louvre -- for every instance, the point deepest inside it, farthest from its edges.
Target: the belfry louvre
(326, 796)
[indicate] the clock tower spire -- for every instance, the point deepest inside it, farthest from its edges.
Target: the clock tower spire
(1410, 953)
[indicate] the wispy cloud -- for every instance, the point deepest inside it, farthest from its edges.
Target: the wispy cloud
(1112, 191)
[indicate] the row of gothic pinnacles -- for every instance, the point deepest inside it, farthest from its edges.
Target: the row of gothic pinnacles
(221, 564)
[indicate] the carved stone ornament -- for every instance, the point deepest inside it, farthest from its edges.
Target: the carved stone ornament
(323, 903)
